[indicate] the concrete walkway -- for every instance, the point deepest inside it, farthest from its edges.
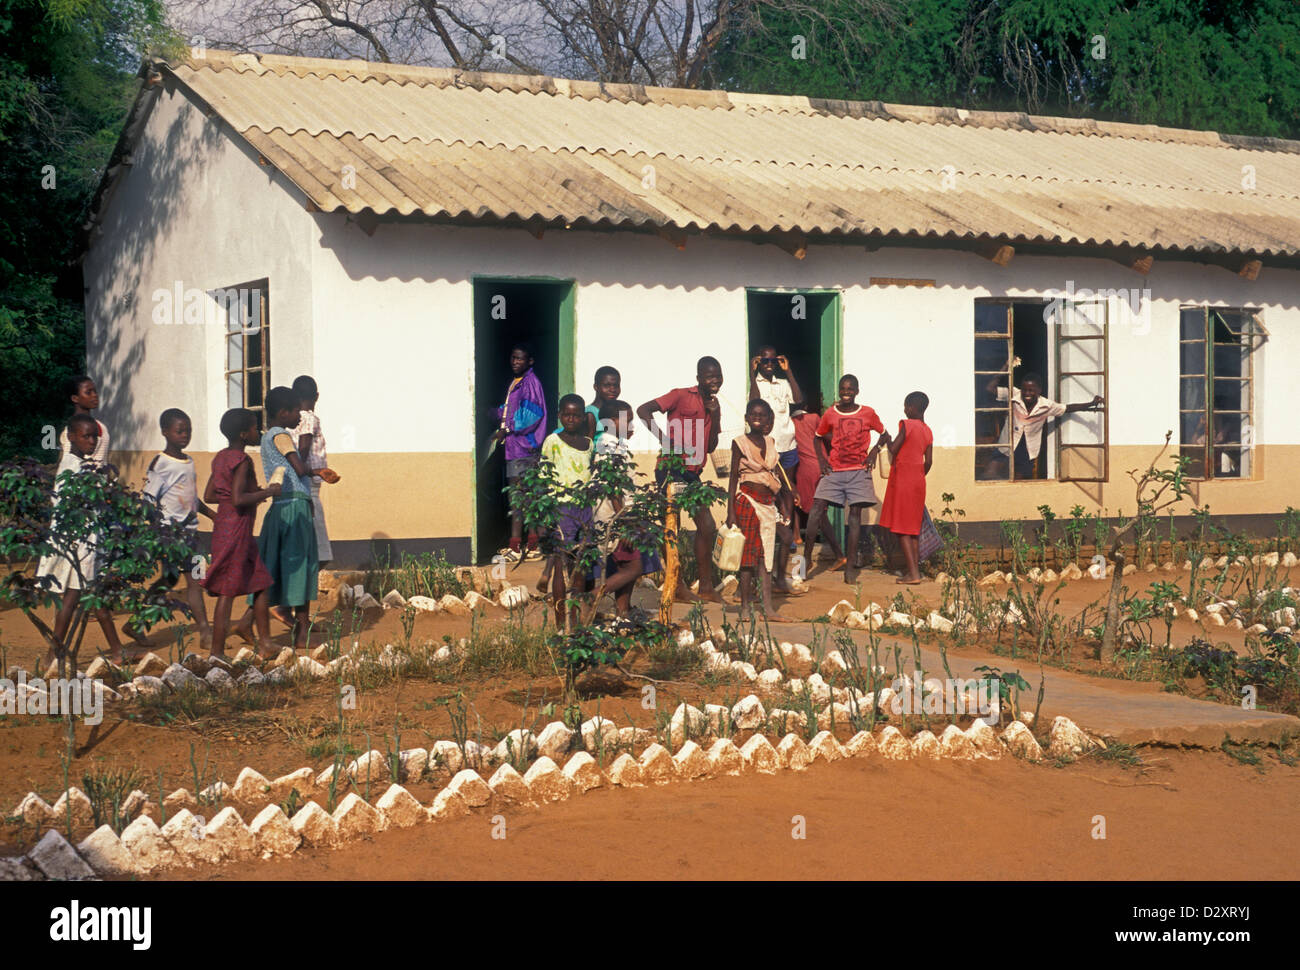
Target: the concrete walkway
(1131, 712)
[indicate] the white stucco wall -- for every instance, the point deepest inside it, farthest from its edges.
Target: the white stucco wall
(399, 304)
(195, 209)
(385, 322)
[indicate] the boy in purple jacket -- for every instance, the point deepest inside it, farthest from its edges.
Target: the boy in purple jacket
(523, 426)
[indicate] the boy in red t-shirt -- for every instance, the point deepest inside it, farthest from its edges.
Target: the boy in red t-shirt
(694, 416)
(846, 470)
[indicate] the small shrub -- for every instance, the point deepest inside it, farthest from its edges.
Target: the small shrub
(107, 789)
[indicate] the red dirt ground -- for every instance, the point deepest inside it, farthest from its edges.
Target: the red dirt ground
(1190, 816)
(1004, 819)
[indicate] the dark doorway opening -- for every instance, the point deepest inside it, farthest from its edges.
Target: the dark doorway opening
(797, 325)
(507, 312)
(1030, 341)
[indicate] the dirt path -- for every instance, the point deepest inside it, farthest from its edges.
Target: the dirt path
(1135, 712)
(866, 820)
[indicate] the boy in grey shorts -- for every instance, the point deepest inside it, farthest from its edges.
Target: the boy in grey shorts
(843, 444)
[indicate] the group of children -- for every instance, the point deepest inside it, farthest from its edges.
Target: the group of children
(793, 460)
(277, 571)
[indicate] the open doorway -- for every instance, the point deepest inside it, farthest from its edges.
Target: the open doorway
(804, 326)
(538, 313)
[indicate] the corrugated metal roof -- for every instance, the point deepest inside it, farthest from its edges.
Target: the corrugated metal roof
(458, 145)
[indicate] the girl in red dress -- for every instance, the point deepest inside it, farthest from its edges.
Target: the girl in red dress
(910, 455)
(236, 569)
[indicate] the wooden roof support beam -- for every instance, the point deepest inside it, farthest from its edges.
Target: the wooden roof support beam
(1249, 269)
(794, 243)
(536, 229)
(674, 237)
(1136, 260)
(367, 220)
(999, 253)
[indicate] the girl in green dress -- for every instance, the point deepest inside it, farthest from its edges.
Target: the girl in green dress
(287, 544)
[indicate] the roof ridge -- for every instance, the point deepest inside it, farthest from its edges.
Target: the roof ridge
(261, 63)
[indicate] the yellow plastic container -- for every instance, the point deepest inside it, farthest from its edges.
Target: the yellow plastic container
(728, 548)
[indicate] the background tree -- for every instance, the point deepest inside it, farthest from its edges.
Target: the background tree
(67, 78)
(659, 42)
(1228, 66)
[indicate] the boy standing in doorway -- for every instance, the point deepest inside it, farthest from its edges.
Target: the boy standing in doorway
(694, 417)
(523, 425)
(772, 380)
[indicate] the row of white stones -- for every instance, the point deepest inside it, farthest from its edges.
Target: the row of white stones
(1097, 570)
(186, 839)
(1216, 613)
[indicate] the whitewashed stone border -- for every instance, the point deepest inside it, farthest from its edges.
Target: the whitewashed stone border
(144, 848)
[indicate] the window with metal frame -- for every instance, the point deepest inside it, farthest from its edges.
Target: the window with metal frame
(1074, 337)
(247, 345)
(1216, 354)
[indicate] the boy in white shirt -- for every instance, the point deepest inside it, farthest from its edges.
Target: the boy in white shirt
(772, 380)
(171, 481)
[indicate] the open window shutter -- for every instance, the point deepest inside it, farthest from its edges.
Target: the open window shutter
(1082, 372)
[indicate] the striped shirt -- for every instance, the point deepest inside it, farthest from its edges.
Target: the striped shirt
(308, 423)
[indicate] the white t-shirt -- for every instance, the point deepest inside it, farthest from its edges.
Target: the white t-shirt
(58, 565)
(776, 392)
(175, 486)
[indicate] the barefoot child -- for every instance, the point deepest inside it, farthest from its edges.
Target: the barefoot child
(625, 565)
(310, 441)
(287, 544)
(523, 423)
(82, 436)
(694, 419)
(569, 452)
(846, 474)
(607, 385)
(83, 394)
(236, 569)
(910, 455)
(172, 483)
(752, 502)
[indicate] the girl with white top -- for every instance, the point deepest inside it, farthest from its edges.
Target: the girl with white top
(83, 394)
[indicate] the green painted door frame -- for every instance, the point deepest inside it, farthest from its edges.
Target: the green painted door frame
(831, 331)
(832, 324)
(831, 340)
(565, 363)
